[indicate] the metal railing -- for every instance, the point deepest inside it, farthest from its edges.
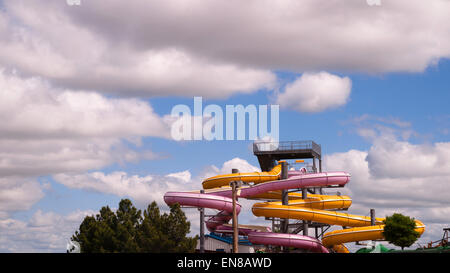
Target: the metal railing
(287, 146)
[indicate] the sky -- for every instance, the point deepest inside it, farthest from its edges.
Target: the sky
(86, 94)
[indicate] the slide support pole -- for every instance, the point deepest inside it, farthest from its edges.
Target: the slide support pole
(235, 219)
(284, 197)
(202, 227)
(372, 217)
(284, 200)
(305, 223)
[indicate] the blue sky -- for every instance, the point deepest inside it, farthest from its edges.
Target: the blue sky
(420, 99)
(85, 102)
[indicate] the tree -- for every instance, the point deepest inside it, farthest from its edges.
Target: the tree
(127, 230)
(167, 232)
(400, 230)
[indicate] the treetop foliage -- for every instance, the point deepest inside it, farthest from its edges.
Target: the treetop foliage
(130, 230)
(400, 230)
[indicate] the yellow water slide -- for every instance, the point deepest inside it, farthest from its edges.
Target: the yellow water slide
(254, 177)
(316, 208)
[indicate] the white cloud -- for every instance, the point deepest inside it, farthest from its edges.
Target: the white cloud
(33, 108)
(145, 189)
(236, 163)
(18, 194)
(391, 158)
(142, 189)
(43, 232)
(41, 219)
(315, 92)
(32, 41)
(373, 128)
(182, 176)
(47, 130)
(215, 49)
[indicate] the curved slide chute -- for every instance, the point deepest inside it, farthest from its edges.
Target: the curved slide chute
(267, 186)
(338, 237)
(254, 177)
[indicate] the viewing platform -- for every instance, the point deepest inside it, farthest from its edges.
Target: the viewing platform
(269, 152)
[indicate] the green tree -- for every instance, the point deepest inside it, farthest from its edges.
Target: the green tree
(166, 232)
(400, 230)
(128, 230)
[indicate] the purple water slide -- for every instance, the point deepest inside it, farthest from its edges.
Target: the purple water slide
(293, 182)
(200, 200)
(242, 229)
(220, 200)
(287, 240)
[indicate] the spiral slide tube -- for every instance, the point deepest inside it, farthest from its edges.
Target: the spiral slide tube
(266, 186)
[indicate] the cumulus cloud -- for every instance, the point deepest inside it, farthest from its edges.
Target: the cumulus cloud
(315, 92)
(142, 189)
(145, 189)
(373, 128)
(43, 232)
(34, 108)
(45, 40)
(311, 35)
(18, 194)
(214, 49)
(236, 163)
(47, 129)
(391, 158)
(393, 153)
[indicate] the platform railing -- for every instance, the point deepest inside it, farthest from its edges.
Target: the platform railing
(286, 146)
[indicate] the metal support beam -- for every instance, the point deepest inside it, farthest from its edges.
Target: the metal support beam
(298, 229)
(284, 228)
(323, 231)
(284, 196)
(372, 217)
(305, 223)
(202, 227)
(234, 186)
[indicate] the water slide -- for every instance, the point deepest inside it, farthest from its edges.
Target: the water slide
(267, 186)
